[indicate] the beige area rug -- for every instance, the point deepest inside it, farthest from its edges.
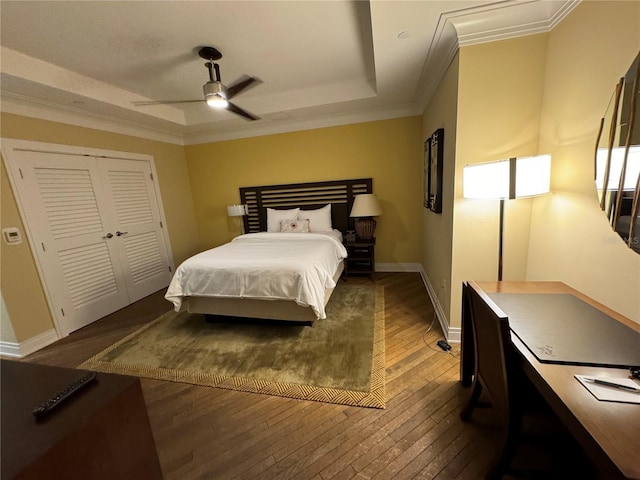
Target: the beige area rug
(337, 360)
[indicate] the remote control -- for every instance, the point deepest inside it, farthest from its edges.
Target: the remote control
(52, 402)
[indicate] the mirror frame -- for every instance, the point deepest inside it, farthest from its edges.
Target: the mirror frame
(612, 204)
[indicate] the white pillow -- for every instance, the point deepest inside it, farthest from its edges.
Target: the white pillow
(294, 226)
(274, 216)
(319, 220)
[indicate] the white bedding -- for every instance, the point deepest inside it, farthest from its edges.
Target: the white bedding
(283, 266)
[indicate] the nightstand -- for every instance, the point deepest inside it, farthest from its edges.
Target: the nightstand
(361, 258)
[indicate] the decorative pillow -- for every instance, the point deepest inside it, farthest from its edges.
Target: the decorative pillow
(319, 220)
(275, 216)
(294, 226)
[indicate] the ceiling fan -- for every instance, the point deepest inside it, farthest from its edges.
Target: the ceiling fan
(216, 94)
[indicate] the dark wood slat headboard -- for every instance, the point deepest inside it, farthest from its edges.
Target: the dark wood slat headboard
(308, 196)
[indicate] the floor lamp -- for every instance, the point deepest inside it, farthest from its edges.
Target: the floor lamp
(515, 177)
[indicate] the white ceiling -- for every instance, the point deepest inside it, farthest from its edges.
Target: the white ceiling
(322, 63)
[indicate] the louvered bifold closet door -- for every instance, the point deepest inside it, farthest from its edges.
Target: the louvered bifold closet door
(137, 227)
(65, 210)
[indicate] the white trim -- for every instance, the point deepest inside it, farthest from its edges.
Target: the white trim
(33, 344)
(9, 145)
(442, 51)
(165, 227)
(398, 267)
(482, 24)
(181, 135)
(504, 20)
(7, 333)
(452, 334)
(28, 107)
(257, 129)
(467, 26)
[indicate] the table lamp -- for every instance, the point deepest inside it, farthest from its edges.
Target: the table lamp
(507, 179)
(238, 211)
(365, 207)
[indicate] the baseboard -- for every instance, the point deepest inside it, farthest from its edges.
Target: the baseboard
(452, 334)
(33, 344)
(398, 267)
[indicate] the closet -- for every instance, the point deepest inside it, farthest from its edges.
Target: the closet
(95, 225)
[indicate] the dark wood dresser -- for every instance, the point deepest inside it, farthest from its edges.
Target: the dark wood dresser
(101, 432)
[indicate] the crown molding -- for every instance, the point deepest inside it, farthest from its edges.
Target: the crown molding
(204, 135)
(455, 29)
(483, 24)
(513, 19)
(29, 107)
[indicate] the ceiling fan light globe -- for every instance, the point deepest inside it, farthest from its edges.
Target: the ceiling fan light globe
(217, 101)
(214, 95)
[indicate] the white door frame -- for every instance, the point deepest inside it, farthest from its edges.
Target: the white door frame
(9, 146)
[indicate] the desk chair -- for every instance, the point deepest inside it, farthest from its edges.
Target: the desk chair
(491, 338)
(497, 375)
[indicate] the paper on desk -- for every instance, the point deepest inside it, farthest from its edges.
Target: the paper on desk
(610, 394)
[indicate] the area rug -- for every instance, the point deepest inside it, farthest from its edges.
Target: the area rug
(337, 360)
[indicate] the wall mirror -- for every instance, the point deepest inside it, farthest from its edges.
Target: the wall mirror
(617, 159)
(433, 169)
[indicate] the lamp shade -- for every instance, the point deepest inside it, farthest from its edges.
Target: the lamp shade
(507, 179)
(511, 178)
(632, 171)
(486, 180)
(366, 205)
(236, 210)
(533, 175)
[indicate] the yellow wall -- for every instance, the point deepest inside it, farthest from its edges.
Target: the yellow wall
(197, 183)
(6, 328)
(22, 292)
(19, 281)
(389, 151)
(437, 229)
(499, 98)
(571, 240)
(541, 94)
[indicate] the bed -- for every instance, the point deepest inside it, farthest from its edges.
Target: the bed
(287, 264)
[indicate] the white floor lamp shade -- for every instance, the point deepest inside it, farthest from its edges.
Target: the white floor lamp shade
(507, 179)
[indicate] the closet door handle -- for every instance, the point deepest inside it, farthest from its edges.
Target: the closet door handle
(108, 235)
(119, 233)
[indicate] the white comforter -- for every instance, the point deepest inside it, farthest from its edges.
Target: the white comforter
(286, 266)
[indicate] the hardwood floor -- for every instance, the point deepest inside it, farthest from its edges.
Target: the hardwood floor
(209, 433)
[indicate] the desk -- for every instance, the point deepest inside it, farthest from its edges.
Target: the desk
(608, 432)
(102, 432)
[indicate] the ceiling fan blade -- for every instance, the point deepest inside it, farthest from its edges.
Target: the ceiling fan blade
(243, 113)
(243, 83)
(164, 102)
